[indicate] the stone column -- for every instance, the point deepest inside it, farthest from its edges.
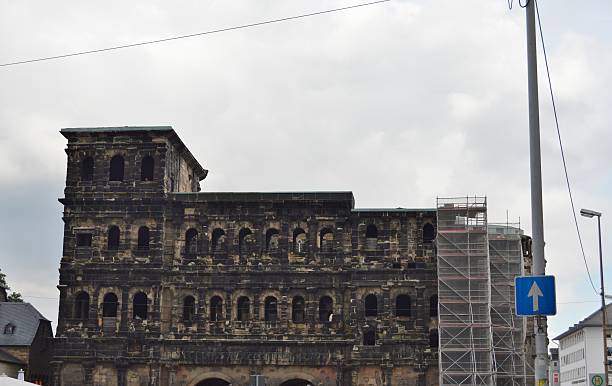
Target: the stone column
(56, 370)
(154, 375)
(421, 378)
(171, 375)
(121, 366)
(420, 309)
(63, 308)
(88, 368)
(387, 371)
(125, 303)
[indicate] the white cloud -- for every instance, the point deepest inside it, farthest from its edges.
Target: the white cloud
(399, 102)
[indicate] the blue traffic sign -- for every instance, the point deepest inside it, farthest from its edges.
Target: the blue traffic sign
(535, 295)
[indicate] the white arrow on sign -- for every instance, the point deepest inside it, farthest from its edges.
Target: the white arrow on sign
(535, 292)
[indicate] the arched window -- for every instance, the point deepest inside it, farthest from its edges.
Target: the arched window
(218, 240)
(191, 241)
(216, 308)
(326, 309)
(296, 382)
(371, 305)
(371, 237)
(272, 240)
(298, 314)
(244, 309)
(433, 306)
(188, 309)
(114, 235)
(299, 240)
(369, 338)
(326, 240)
(146, 168)
(140, 306)
(213, 382)
(433, 338)
(116, 168)
(109, 305)
(81, 306)
(270, 309)
(87, 169)
(243, 240)
(402, 305)
(143, 238)
(429, 234)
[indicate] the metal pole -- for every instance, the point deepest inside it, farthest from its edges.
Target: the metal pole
(537, 222)
(604, 318)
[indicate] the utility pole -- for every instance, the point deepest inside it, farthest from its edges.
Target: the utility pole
(604, 319)
(537, 221)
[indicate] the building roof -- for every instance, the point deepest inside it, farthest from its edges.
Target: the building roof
(26, 320)
(172, 135)
(115, 129)
(332, 196)
(308, 197)
(5, 380)
(8, 358)
(593, 320)
(392, 210)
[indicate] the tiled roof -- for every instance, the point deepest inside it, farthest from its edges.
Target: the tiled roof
(26, 320)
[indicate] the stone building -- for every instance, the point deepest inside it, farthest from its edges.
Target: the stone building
(164, 285)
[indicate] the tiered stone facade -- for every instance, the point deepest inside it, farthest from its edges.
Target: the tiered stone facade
(161, 284)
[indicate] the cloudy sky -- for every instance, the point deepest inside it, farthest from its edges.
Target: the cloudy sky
(399, 102)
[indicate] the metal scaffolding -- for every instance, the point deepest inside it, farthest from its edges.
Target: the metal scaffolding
(464, 292)
(506, 256)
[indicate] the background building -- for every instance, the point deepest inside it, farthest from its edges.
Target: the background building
(554, 375)
(581, 350)
(161, 284)
(25, 342)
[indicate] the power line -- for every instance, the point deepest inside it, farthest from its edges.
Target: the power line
(191, 35)
(567, 179)
(39, 297)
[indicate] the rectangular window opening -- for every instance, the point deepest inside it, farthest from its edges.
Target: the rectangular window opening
(83, 240)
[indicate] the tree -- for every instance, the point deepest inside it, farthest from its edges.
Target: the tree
(13, 297)
(3, 281)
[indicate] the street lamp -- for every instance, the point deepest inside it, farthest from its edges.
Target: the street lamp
(591, 213)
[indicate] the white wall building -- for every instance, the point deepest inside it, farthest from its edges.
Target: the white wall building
(581, 350)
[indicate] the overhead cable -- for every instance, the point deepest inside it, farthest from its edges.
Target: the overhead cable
(567, 179)
(79, 53)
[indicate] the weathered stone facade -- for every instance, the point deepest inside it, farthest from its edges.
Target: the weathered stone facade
(161, 284)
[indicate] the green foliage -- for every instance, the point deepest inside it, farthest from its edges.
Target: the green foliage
(3, 281)
(15, 297)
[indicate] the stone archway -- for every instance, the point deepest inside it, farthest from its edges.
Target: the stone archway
(213, 382)
(297, 382)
